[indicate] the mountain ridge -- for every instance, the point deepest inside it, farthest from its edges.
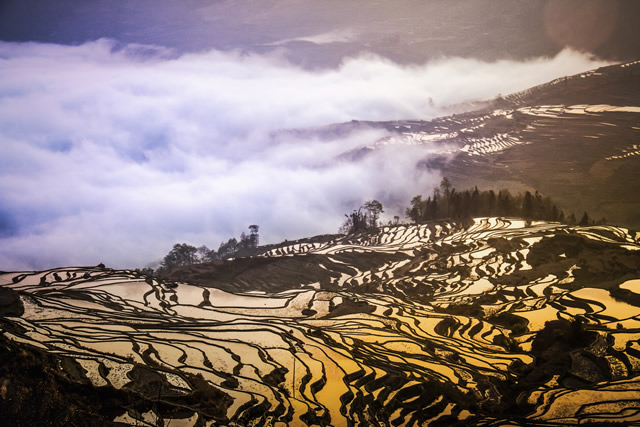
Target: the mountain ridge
(573, 139)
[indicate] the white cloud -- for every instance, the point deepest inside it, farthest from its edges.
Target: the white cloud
(111, 156)
(334, 36)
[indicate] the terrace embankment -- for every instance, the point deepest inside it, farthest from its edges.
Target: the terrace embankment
(10, 304)
(490, 323)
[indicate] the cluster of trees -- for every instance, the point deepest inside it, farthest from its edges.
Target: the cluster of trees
(364, 219)
(446, 202)
(185, 254)
(232, 246)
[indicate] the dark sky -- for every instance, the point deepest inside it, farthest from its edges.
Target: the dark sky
(406, 31)
(129, 125)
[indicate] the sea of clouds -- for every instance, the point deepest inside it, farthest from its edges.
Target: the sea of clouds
(113, 153)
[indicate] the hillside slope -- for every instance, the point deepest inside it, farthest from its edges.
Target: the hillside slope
(422, 324)
(574, 139)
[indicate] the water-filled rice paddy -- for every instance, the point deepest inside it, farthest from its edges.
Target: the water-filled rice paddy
(417, 324)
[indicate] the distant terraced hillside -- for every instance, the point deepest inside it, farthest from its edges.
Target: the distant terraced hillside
(493, 322)
(575, 139)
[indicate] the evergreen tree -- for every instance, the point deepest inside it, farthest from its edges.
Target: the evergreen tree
(446, 202)
(475, 202)
(445, 185)
(254, 237)
(415, 211)
(527, 206)
(433, 210)
(504, 203)
(491, 203)
(561, 217)
(584, 221)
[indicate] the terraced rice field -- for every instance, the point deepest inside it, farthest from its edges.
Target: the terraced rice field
(414, 325)
(574, 139)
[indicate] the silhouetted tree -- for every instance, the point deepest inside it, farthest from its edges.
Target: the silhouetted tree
(374, 208)
(181, 254)
(445, 185)
(254, 236)
(433, 209)
(561, 217)
(204, 254)
(449, 203)
(244, 241)
(527, 205)
(504, 203)
(249, 241)
(474, 207)
(356, 222)
(491, 203)
(228, 249)
(584, 221)
(359, 221)
(415, 211)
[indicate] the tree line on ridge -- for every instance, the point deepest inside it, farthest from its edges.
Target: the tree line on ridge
(444, 203)
(447, 203)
